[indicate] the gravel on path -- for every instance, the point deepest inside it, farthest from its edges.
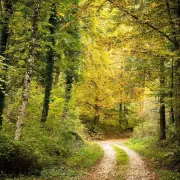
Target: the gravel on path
(137, 169)
(107, 167)
(105, 170)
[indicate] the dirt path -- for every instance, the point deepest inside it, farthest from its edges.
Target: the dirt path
(137, 168)
(106, 168)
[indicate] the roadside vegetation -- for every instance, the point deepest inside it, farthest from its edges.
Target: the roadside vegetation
(77, 70)
(122, 163)
(162, 157)
(45, 158)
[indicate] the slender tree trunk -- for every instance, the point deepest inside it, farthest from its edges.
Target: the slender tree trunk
(49, 83)
(120, 114)
(175, 31)
(56, 79)
(172, 69)
(177, 78)
(171, 93)
(162, 102)
(49, 66)
(162, 120)
(28, 77)
(97, 114)
(125, 115)
(3, 44)
(69, 82)
(177, 103)
(97, 111)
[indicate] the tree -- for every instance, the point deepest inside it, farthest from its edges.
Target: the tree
(28, 74)
(6, 14)
(50, 62)
(162, 101)
(144, 14)
(72, 51)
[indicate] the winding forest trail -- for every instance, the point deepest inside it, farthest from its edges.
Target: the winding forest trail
(137, 169)
(106, 168)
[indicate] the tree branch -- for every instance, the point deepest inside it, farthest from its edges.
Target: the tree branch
(142, 22)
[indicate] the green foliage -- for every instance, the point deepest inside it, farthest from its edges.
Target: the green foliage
(168, 175)
(44, 156)
(122, 163)
(76, 164)
(106, 130)
(56, 145)
(164, 155)
(146, 129)
(17, 158)
(122, 44)
(85, 157)
(121, 156)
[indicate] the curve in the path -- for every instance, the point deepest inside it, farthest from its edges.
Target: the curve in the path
(105, 170)
(137, 168)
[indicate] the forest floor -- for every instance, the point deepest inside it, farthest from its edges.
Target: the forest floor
(106, 169)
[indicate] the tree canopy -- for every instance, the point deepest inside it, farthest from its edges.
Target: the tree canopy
(74, 69)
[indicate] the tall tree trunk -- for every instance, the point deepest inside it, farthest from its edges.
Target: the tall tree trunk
(3, 44)
(120, 113)
(97, 114)
(177, 78)
(97, 111)
(172, 66)
(49, 66)
(28, 77)
(171, 93)
(177, 103)
(69, 82)
(175, 32)
(162, 102)
(49, 83)
(57, 74)
(125, 115)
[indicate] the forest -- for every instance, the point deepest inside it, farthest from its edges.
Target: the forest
(89, 89)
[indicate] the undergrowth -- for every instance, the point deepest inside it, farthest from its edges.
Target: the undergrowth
(71, 167)
(104, 131)
(77, 164)
(164, 156)
(46, 155)
(53, 150)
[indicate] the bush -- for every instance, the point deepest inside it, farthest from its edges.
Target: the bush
(16, 159)
(85, 157)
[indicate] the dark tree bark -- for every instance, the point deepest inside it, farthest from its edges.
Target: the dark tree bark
(177, 101)
(57, 74)
(126, 112)
(171, 92)
(177, 74)
(28, 76)
(69, 82)
(172, 66)
(49, 65)
(3, 44)
(97, 114)
(120, 113)
(162, 102)
(49, 83)
(97, 109)
(175, 27)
